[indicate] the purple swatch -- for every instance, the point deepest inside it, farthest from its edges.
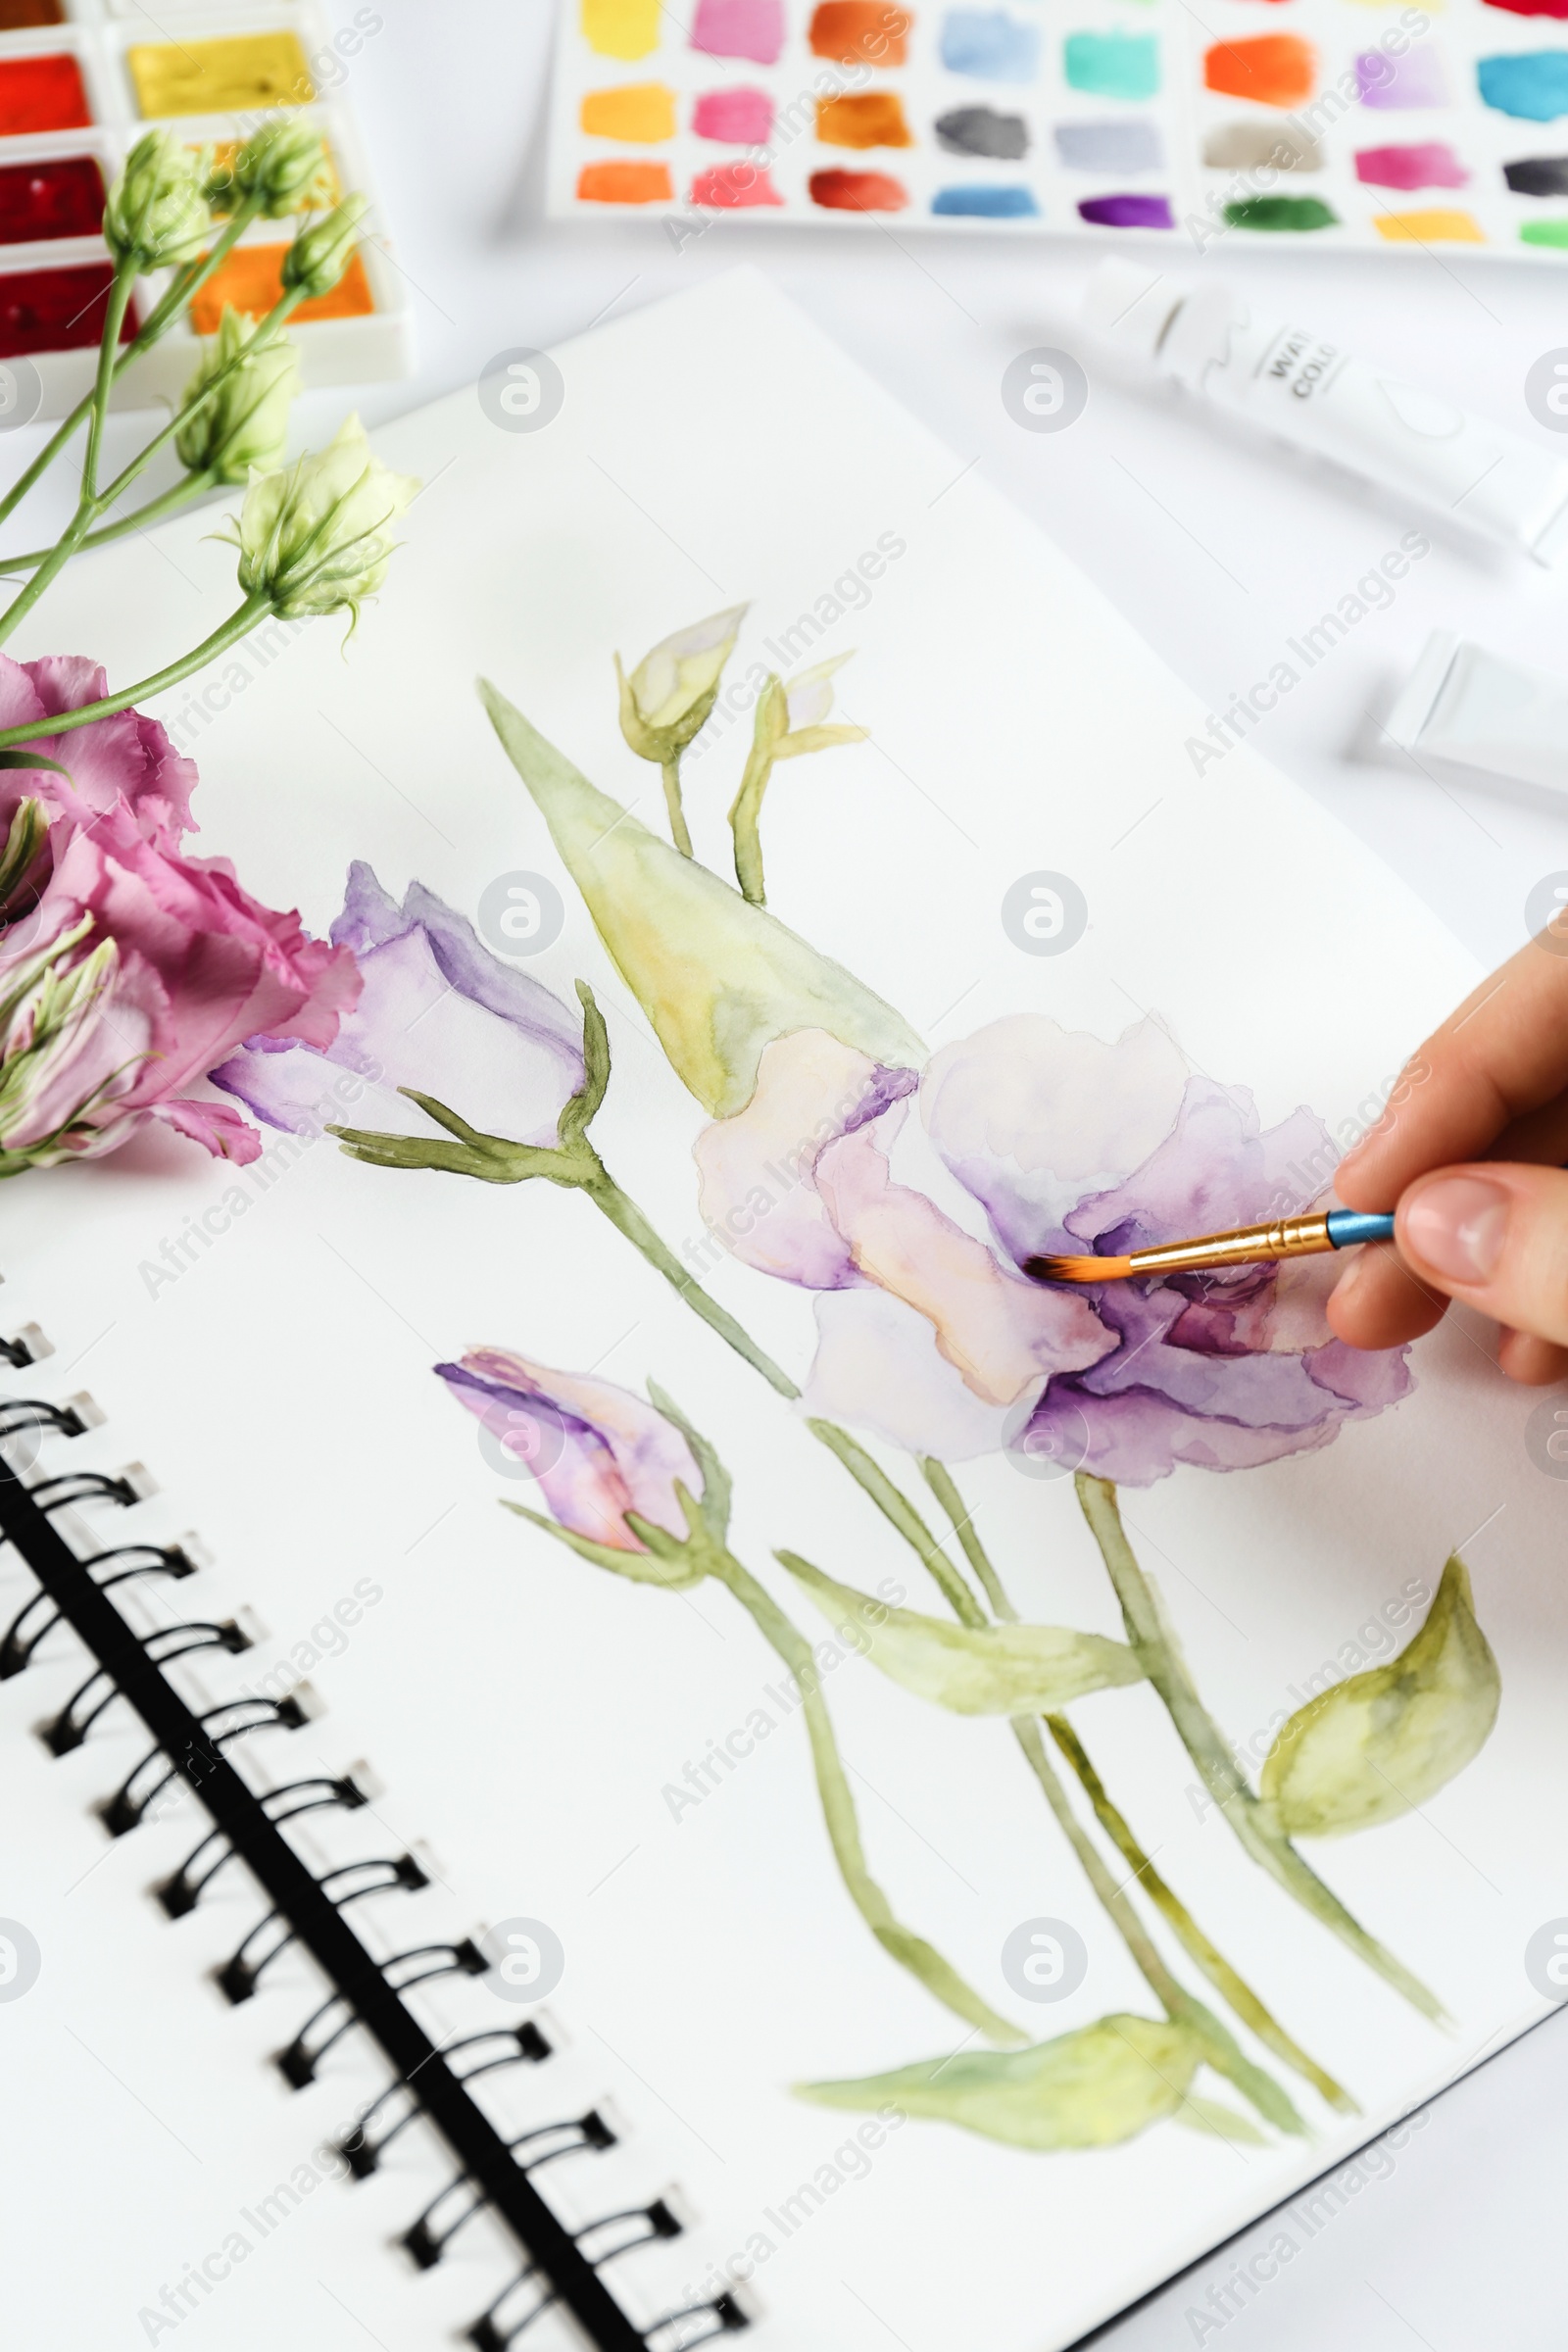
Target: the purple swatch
(1414, 79)
(1426, 164)
(740, 117)
(751, 28)
(1127, 212)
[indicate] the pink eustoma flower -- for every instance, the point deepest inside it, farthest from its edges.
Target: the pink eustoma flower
(127, 760)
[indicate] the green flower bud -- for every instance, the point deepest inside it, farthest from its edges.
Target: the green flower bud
(244, 427)
(20, 852)
(1370, 1749)
(157, 215)
(320, 255)
(285, 166)
(670, 694)
(312, 540)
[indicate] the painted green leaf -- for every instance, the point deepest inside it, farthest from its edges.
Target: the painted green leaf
(979, 1670)
(1370, 1749)
(1089, 2090)
(718, 979)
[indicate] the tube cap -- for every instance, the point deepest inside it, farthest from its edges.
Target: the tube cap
(1128, 307)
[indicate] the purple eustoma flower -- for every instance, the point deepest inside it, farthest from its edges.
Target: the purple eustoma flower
(595, 1450)
(438, 1013)
(1036, 1140)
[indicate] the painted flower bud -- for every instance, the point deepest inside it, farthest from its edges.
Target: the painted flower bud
(313, 540)
(158, 214)
(320, 254)
(244, 427)
(1370, 1749)
(284, 166)
(808, 700)
(670, 694)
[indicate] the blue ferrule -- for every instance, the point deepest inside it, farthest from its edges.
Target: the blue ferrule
(1347, 1226)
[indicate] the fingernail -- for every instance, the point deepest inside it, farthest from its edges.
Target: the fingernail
(1458, 1227)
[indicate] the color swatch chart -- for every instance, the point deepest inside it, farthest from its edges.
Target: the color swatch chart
(1343, 122)
(80, 81)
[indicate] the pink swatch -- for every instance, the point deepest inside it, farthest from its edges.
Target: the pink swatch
(733, 186)
(740, 117)
(1426, 163)
(753, 28)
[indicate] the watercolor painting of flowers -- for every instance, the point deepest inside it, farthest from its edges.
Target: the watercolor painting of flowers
(905, 1191)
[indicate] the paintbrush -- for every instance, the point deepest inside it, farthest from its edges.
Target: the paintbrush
(1248, 1245)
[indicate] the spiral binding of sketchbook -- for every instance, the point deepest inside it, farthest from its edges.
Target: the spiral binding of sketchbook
(561, 2267)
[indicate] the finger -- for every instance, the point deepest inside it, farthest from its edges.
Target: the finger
(1496, 1235)
(1534, 1363)
(1378, 1302)
(1502, 1056)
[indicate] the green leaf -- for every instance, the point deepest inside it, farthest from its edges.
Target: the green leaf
(1089, 2090)
(718, 979)
(16, 754)
(1372, 1748)
(1210, 2114)
(982, 1670)
(674, 1567)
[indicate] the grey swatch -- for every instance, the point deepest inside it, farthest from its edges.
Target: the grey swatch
(1257, 146)
(980, 131)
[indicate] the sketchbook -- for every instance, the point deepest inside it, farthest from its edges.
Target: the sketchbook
(944, 1798)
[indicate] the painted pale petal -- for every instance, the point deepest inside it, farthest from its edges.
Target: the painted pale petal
(1000, 1331)
(877, 1367)
(680, 668)
(1140, 1435)
(1031, 1117)
(758, 1195)
(1372, 1748)
(718, 979)
(809, 697)
(1215, 1168)
(971, 1670)
(1089, 2090)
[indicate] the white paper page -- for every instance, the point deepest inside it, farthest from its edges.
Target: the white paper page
(530, 1713)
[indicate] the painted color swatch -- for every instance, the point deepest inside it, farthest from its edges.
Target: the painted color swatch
(1274, 69)
(56, 309)
(980, 131)
(18, 15)
(740, 117)
(59, 199)
(41, 93)
(985, 203)
(1430, 227)
(1113, 64)
(863, 118)
(639, 111)
(1426, 163)
(627, 29)
(1537, 175)
(251, 280)
(1359, 123)
(749, 28)
(221, 78)
(860, 33)
(859, 192)
(1532, 84)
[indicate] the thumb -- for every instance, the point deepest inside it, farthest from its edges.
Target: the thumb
(1494, 1236)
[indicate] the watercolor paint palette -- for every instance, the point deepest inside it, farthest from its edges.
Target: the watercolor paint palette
(1337, 121)
(80, 81)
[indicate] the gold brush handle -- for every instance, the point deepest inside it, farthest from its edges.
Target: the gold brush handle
(1253, 1245)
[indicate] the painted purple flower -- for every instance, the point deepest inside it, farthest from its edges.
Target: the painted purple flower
(1035, 1141)
(595, 1450)
(438, 1013)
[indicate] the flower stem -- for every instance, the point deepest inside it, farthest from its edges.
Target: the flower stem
(745, 824)
(107, 352)
(896, 1506)
(1160, 1658)
(628, 1219)
(236, 627)
(679, 831)
(911, 1951)
(157, 509)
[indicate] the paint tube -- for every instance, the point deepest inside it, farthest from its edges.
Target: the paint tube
(1477, 710)
(1290, 382)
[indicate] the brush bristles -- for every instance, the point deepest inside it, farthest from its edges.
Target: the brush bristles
(1078, 1269)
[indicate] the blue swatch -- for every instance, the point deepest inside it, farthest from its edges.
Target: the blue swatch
(1113, 64)
(1532, 84)
(987, 204)
(991, 46)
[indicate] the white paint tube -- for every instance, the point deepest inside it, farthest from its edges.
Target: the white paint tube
(1291, 383)
(1477, 710)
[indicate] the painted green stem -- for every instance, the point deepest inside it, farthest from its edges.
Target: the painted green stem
(896, 1506)
(1160, 1654)
(628, 1219)
(157, 509)
(237, 625)
(911, 1951)
(746, 823)
(679, 833)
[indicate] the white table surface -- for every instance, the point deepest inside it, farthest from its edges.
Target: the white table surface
(1217, 547)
